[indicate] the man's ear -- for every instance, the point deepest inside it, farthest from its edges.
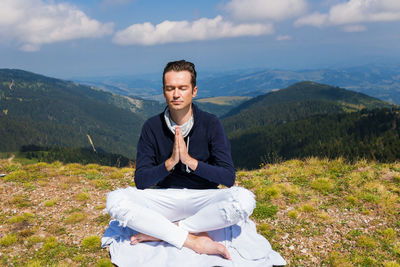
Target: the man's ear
(194, 91)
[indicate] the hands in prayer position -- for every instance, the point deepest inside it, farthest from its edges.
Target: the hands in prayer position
(180, 153)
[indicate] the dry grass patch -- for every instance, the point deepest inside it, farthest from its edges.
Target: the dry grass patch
(50, 203)
(83, 197)
(91, 243)
(8, 240)
(320, 201)
(293, 214)
(18, 176)
(315, 212)
(101, 184)
(21, 200)
(92, 166)
(26, 217)
(93, 174)
(34, 239)
(75, 217)
(322, 185)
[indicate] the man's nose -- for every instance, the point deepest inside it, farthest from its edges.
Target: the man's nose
(176, 93)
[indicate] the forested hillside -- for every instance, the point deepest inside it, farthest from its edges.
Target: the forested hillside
(297, 101)
(43, 111)
(310, 119)
(364, 134)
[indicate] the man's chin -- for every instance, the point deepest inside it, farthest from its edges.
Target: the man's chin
(179, 106)
(176, 107)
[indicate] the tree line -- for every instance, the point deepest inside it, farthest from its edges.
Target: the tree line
(370, 134)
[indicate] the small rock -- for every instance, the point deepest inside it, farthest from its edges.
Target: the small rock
(291, 247)
(303, 251)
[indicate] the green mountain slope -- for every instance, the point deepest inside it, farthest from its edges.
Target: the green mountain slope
(373, 135)
(35, 109)
(310, 119)
(297, 101)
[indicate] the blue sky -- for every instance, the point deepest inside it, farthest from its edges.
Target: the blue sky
(73, 38)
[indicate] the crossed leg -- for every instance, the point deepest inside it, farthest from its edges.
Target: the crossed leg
(140, 237)
(200, 243)
(150, 212)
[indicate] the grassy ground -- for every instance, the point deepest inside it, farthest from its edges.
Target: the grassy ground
(314, 212)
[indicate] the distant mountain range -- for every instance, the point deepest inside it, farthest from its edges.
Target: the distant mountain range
(43, 111)
(380, 81)
(297, 101)
(311, 119)
(304, 119)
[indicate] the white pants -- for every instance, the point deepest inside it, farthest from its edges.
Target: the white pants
(153, 211)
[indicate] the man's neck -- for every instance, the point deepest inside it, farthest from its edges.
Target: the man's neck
(181, 116)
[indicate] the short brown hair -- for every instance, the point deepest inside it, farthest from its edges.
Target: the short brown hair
(181, 65)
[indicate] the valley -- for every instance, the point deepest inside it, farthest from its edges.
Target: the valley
(304, 119)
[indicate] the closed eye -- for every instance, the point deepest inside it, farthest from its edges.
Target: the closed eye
(171, 88)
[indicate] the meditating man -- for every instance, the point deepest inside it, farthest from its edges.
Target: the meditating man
(183, 155)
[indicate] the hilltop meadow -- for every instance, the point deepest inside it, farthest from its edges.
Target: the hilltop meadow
(315, 212)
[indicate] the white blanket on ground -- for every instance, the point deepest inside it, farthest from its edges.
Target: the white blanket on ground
(246, 246)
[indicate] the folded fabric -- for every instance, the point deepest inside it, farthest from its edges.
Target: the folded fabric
(246, 246)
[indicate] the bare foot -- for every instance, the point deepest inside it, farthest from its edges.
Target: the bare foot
(135, 239)
(203, 244)
(139, 237)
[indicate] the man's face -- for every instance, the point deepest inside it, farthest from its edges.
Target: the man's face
(178, 91)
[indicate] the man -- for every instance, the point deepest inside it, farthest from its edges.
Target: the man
(183, 155)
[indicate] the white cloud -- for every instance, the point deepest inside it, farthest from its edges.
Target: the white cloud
(354, 28)
(355, 12)
(32, 23)
(316, 19)
(283, 37)
(184, 31)
(358, 11)
(275, 10)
